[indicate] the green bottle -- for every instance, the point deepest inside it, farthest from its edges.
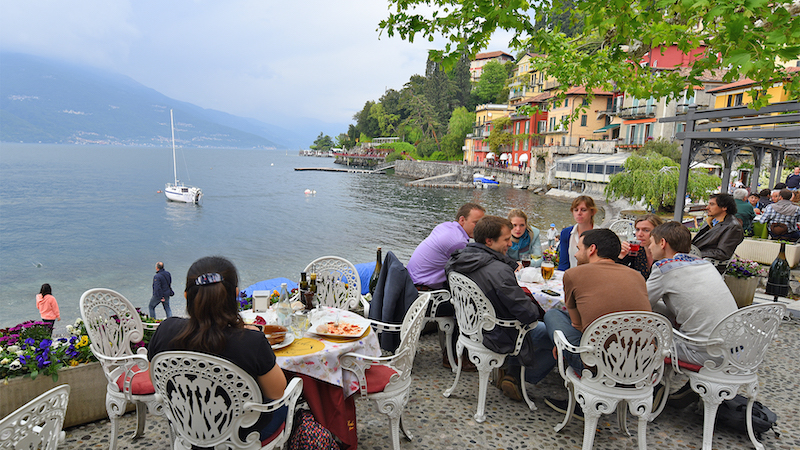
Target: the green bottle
(778, 277)
(373, 280)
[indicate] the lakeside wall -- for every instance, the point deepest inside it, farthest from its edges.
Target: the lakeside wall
(461, 173)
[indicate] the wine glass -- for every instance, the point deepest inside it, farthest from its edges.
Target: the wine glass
(547, 272)
(299, 323)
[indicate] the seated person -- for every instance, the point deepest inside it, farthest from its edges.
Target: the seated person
(215, 327)
(525, 245)
(753, 200)
(595, 287)
(583, 210)
(426, 265)
(721, 233)
(643, 260)
(782, 217)
(764, 199)
(485, 262)
(686, 289)
(744, 211)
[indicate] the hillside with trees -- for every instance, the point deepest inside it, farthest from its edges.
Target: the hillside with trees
(431, 114)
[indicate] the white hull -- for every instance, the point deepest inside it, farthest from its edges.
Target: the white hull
(181, 193)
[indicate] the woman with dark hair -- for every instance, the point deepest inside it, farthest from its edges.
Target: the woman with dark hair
(215, 327)
(643, 260)
(48, 306)
(583, 211)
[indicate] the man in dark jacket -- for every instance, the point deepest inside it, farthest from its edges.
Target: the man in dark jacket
(485, 262)
(162, 290)
(721, 233)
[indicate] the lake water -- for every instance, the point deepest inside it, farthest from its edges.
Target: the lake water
(80, 217)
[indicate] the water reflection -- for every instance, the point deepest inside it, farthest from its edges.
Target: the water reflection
(179, 214)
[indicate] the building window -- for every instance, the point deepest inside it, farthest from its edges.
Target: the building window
(585, 102)
(564, 167)
(566, 103)
(738, 99)
(584, 118)
(527, 126)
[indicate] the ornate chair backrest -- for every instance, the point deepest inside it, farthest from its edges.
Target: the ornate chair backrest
(742, 338)
(113, 325)
(627, 348)
(208, 399)
(472, 307)
(338, 283)
(36, 424)
(623, 228)
(409, 337)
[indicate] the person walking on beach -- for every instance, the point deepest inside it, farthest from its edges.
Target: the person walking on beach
(162, 290)
(47, 305)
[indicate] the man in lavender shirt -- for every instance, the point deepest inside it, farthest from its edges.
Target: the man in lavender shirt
(426, 265)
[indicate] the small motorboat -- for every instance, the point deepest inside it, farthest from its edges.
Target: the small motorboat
(485, 182)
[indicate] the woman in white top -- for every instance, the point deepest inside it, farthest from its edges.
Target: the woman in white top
(583, 211)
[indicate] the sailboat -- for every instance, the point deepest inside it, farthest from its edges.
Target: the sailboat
(178, 192)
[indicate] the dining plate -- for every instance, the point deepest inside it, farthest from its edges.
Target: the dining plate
(330, 316)
(286, 342)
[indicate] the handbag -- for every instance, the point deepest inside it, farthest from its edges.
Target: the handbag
(308, 434)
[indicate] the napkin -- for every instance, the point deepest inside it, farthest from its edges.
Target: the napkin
(530, 275)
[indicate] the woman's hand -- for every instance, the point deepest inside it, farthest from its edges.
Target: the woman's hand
(625, 249)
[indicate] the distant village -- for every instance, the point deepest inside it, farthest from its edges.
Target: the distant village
(560, 148)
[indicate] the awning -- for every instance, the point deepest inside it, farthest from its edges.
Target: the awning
(490, 155)
(523, 157)
(504, 157)
(606, 128)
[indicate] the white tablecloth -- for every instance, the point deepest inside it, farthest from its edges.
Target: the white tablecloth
(548, 301)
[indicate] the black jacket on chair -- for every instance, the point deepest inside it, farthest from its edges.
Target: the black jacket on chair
(394, 294)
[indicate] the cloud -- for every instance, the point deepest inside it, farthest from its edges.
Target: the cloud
(271, 60)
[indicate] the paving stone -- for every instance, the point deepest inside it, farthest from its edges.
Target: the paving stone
(446, 423)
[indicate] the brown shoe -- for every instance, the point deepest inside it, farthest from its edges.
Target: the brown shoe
(511, 388)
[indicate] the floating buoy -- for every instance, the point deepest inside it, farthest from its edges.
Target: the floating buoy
(158, 192)
(271, 164)
(308, 191)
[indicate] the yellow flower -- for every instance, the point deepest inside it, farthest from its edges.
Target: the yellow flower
(74, 363)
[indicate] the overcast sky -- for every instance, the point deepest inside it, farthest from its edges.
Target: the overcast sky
(264, 59)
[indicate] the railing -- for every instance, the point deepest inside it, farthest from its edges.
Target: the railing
(638, 112)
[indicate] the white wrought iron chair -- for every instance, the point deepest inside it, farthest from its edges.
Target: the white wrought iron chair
(623, 228)
(113, 325)
(741, 341)
(387, 379)
(445, 323)
(208, 399)
(338, 283)
(624, 357)
(36, 424)
(475, 314)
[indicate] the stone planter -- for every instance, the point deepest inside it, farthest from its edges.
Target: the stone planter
(765, 251)
(742, 289)
(87, 398)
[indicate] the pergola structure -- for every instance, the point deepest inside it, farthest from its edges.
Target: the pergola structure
(774, 128)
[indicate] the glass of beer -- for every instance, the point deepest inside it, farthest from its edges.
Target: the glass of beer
(547, 272)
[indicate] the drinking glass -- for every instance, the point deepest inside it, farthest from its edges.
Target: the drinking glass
(300, 323)
(635, 246)
(547, 272)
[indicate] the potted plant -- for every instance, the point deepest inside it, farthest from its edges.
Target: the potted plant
(742, 276)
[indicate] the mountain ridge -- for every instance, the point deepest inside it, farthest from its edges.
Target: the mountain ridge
(49, 101)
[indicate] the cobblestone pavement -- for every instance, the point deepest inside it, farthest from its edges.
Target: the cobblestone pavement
(443, 423)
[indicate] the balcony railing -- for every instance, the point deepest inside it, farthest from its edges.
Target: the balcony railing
(638, 112)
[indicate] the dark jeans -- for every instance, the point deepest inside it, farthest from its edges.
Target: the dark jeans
(155, 301)
(791, 236)
(555, 319)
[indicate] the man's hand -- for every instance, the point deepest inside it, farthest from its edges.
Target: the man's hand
(519, 266)
(162, 299)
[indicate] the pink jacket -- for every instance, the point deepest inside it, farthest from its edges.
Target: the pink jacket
(48, 307)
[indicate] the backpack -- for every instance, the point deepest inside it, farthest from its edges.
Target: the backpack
(732, 414)
(308, 434)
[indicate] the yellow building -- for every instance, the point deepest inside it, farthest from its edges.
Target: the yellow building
(475, 148)
(526, 82)
(562, 131)
(738, 92)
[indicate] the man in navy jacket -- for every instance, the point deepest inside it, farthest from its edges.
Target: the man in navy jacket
(162, 290)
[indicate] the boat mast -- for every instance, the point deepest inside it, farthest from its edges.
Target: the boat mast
(172, 127)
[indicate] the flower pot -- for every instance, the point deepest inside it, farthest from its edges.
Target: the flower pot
(765, 251)
(87, 398)
(742, 289)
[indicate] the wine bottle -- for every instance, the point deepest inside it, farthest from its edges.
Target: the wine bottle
(312, 288)
(303, 290)
(373, 280)
(778, 277)
(284, 308)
